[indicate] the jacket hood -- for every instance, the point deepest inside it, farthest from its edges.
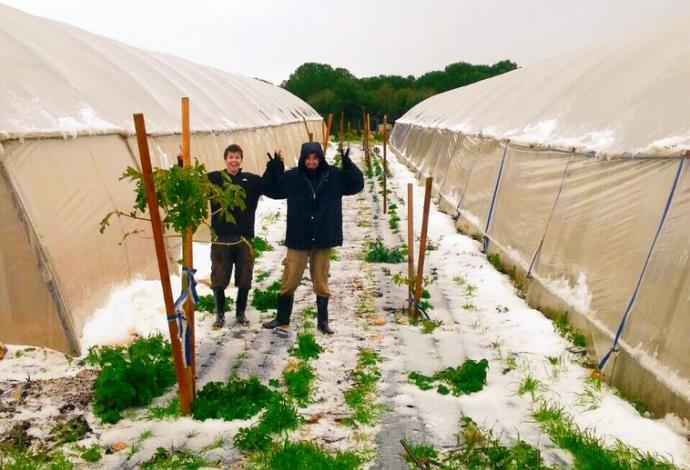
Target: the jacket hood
(312, 147)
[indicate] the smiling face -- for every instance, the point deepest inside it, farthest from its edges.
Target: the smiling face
(311, 162)
(233, 162)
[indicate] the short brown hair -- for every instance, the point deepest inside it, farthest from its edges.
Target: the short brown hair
(233, 148)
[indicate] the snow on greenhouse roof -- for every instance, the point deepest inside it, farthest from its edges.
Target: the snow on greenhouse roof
(626, 97)
(58, 79)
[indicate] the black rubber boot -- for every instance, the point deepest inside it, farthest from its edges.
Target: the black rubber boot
(219, 297)
(284, 311)
(241, 306)
(322, 315)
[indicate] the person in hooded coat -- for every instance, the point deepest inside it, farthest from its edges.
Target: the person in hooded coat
(314, 192)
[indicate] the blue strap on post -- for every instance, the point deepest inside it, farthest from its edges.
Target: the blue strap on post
(629, 308)
(548, 222)
(418, 307)
(485, 237)
(183, 331)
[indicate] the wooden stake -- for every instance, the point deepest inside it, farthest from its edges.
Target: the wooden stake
(342, 127)
(306, 126)
(161, 257)
(410, 246)
(422, 243)
(187, 252)
(349, 127)
(385, 143)
(385, 168)
(327, 133)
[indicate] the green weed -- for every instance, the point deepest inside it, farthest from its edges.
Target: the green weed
(529, 385)
(130, 376)
(377, 252)
(298, 382)
(280, 416)
(260, 246)
(175, 459)
(24, 459)
(265, 300)
(565, 329)
(171, 410)
(91, 454)
(238, 399)
(360, 397)
(207, 303)
(306, 347)
(70, 431)
(305, 456)
(469, 377)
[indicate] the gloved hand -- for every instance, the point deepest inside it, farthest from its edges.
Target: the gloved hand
(346, 162)
(275, 163)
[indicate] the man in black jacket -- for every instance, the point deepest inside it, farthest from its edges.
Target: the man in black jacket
(233, 245)
(314, 192)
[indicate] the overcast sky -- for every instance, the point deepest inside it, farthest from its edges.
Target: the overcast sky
(270, 38)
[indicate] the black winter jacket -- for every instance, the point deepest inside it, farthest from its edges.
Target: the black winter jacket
(315, 216)
(244, 219)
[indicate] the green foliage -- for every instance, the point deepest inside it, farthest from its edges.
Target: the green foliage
(265, 300)
(25, 459)
(529, 385)
(329, 89)
(495, 260)
(422, 453)
(170, 410)
(305, 456)
(130, 376)
(92, 454)
(70, 431)
(298, 382)
(237, 399)
(360, 397)
(174, 459)
(565, 329)
(260, 246)
(183, 195)
(377, 252)
(280, 416)
(262, 275)
(469, 377)
(207, 303)
(590, 452)
(427, 326)
(306, 348)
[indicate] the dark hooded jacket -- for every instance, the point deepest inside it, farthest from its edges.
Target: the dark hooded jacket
(314, 199)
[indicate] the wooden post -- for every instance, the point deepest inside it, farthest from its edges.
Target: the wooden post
(367, 126)
(385, 168)
(161, 257)
(385, 143)
(349, 127)
(422, 243)
(187, 253)
(342, 127)
(410, 246)
(310, 136)
(326, 134)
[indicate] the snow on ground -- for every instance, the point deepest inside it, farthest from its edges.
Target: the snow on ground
(490, 322)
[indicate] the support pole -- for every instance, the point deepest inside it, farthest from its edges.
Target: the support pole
(385, 168)
(422, 243)
(342, 127)
(187, 252)
(161, 257)
(410, 246)
(310, 136)
(327, 131)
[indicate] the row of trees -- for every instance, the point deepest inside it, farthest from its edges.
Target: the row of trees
(329, 89)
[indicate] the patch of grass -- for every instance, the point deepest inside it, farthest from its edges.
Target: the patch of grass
(91, 454)
(24, 459)
(171, 410)
(70, 431)
(207, 303)
(130, 376)
(590, 452)
(360, 397)
(334, 255)
(496, 262)
(306, 347)
(280, 417)
(637, 404)
(298, 381)
(468, 377)
(427, 326)
(309, 312)
(422, 453)
(260, 246)
(470, 306)
(470, 290)
(510, 363)
(377, 252)
(262, 275)
(565, 329)
(529, 385)
(175, 459)
(265, 300)
(238, 399)
(305, 456)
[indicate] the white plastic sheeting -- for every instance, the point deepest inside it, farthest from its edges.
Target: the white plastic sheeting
(628, 97)
(58, 79)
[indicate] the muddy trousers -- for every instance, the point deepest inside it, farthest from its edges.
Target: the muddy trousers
(296, 262)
